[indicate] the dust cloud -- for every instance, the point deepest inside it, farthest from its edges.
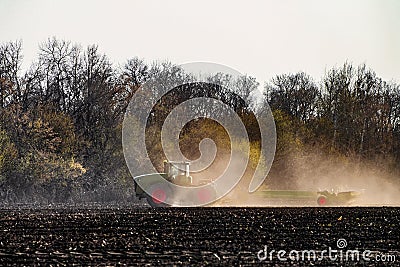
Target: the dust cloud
(378, 184)
(375, 181)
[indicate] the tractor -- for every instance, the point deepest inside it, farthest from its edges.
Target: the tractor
(157, 190)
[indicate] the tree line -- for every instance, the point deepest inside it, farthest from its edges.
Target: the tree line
(61, 120)
(350, 114)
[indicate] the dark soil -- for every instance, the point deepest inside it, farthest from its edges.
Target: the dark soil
(192, 236)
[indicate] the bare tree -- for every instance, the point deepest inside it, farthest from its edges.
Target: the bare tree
(10, 66)
(294, 94)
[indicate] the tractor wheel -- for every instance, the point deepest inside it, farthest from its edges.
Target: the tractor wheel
(322, 200)
(205, 195)
(158, 194)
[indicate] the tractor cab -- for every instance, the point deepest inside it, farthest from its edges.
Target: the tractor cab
(177, 172)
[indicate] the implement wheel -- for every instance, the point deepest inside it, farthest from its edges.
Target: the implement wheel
(322, 200)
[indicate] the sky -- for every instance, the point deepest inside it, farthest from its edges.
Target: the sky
(259, 38)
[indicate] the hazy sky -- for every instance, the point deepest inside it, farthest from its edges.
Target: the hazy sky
(260, 38)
